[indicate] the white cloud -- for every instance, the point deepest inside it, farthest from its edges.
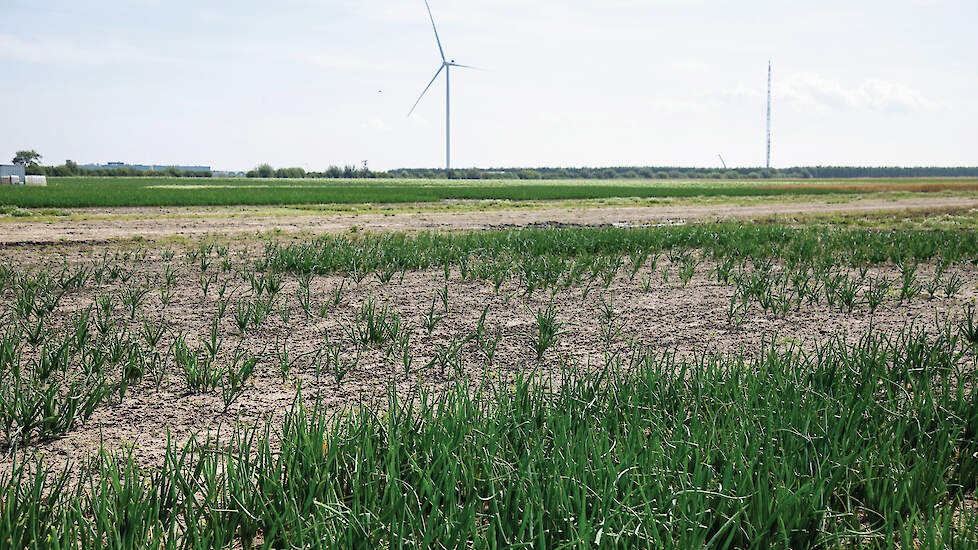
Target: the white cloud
(816, 91)
(871, 95)
(326, 59)
(419, 120)
(691, 66)
(13, 48)
(738, 95)
(887, 96)
(378, 124)
(55, 52)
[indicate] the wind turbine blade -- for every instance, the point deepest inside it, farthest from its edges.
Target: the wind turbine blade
(441, 51)
(440, 69)
(453, 64)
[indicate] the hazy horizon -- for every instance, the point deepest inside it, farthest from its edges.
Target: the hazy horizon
(623, 83)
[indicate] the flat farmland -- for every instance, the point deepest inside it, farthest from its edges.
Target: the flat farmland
(788, 376)
(946, 203)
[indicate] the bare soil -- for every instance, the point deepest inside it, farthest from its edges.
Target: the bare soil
(667, 316)
(157, 223)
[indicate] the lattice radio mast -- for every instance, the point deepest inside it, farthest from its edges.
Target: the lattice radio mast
(768, 114)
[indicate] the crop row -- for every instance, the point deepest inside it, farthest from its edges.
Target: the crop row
(814, 246)
(869, 444)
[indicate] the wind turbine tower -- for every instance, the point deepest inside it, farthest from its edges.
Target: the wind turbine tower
(768, 163)
(446, 66)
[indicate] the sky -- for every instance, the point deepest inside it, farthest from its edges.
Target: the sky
(314, 83)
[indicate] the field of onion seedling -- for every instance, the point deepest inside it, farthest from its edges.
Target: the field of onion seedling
(73, 192)
(712, 385)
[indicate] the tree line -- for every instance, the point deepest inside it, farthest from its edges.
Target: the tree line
(73, 169)
(30, 159)
(348, 171)
(628, 172)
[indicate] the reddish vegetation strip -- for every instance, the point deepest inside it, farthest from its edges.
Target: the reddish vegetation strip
(888, 186)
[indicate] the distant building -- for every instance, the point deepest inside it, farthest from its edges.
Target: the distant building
(12, 174)
(145, 167)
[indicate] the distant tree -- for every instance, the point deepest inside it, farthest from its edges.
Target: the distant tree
(27, 158)
(265, 170)
(290, 173)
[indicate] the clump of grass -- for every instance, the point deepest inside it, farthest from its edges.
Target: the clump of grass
(251, 313)
(546, 330)
(14, 211)
(336, 362)
(132, 298)
(286, 359)
(304, 294)
(875, 294)
(236, 376)
(432, 318)
(201, 374)
(152, 332)
(969, 325)
(953, 285)
(373, 326)
(910, 286)
(935, 283)
(31, 408)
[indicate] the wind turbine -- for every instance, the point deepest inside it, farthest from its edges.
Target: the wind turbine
(446, 66)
